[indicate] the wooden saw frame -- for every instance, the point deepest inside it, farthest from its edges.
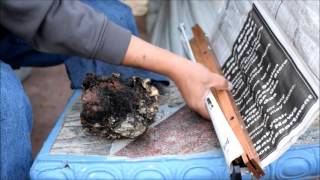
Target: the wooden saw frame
(204, 55)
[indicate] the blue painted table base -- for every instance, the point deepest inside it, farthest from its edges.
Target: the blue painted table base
(299, 162)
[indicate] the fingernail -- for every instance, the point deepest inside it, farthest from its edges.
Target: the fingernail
(230, 86)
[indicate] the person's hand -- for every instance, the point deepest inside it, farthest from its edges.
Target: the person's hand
(194, 82)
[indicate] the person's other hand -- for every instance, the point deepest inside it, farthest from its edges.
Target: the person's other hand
(194, 82)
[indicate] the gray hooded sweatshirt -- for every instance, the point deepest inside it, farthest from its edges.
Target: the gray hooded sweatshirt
(65, 27)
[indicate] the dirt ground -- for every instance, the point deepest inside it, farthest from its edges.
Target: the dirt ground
(48, 90)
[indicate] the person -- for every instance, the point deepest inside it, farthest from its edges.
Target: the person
(76, 29)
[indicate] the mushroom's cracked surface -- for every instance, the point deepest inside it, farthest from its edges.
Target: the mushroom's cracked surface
(115, 108)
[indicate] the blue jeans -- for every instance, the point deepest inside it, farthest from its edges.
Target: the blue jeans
(15, 126)
(15, 108)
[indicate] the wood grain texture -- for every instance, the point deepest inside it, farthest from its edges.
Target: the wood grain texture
(73, 139)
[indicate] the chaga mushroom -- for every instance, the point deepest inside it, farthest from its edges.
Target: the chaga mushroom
(114, 108)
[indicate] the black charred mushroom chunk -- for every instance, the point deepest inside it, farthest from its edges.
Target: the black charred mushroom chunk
(115, 108)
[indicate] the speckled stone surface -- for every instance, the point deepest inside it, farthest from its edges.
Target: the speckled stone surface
(184, 132)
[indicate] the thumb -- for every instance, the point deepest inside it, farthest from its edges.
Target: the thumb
(219, 82)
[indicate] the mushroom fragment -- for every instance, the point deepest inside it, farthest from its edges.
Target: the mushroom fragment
(114, 108)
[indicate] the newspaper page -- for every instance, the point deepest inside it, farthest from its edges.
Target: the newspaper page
(275, 94)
